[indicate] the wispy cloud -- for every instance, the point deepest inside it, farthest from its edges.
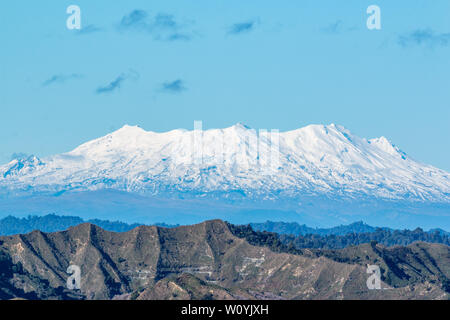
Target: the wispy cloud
(117, 82)
(179, 36)
(334, 28)
(424, 37)
(162, 26)
(61, 78)
(136, 19)
(337, 27)
(176, 86)
(89, 29)
(241, 27)
(113, 85)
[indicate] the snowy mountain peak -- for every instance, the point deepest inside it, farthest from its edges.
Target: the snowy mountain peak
(322, 131)
(240, 126)
(315, 160)
(22, 166)
(128, 131)
(384, 144)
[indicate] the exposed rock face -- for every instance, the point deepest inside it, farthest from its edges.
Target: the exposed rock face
(204, 261)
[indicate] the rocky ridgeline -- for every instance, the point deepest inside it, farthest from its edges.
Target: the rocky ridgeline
(208, 261)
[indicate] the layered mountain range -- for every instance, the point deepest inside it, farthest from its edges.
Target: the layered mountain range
(313, 169)
(211, 260)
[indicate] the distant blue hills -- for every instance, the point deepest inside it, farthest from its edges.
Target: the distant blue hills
(294, 228)
(298, 229)
(51, 223)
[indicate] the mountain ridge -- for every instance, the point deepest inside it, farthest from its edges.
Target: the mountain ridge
(207, 261)
(314, 159)
(11, 225)
(322, 173)
(300, 236)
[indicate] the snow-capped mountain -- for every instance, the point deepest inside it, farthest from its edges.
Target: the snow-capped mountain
(234, 162)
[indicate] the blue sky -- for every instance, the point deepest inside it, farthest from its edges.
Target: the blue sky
(269, 64)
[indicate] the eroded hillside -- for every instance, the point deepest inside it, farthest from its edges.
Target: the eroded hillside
(204, 261)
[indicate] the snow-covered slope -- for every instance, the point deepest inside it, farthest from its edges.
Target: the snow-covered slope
(236, 161)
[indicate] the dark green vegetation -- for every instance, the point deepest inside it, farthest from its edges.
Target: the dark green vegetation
(297, 236)
(384, 237)
(211, 260)
(400, 265)
(297, 229)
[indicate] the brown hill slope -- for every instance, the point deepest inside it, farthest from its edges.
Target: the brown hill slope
(400, 266)
(204, 261)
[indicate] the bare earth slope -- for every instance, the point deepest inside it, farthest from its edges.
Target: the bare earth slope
(204, 261)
